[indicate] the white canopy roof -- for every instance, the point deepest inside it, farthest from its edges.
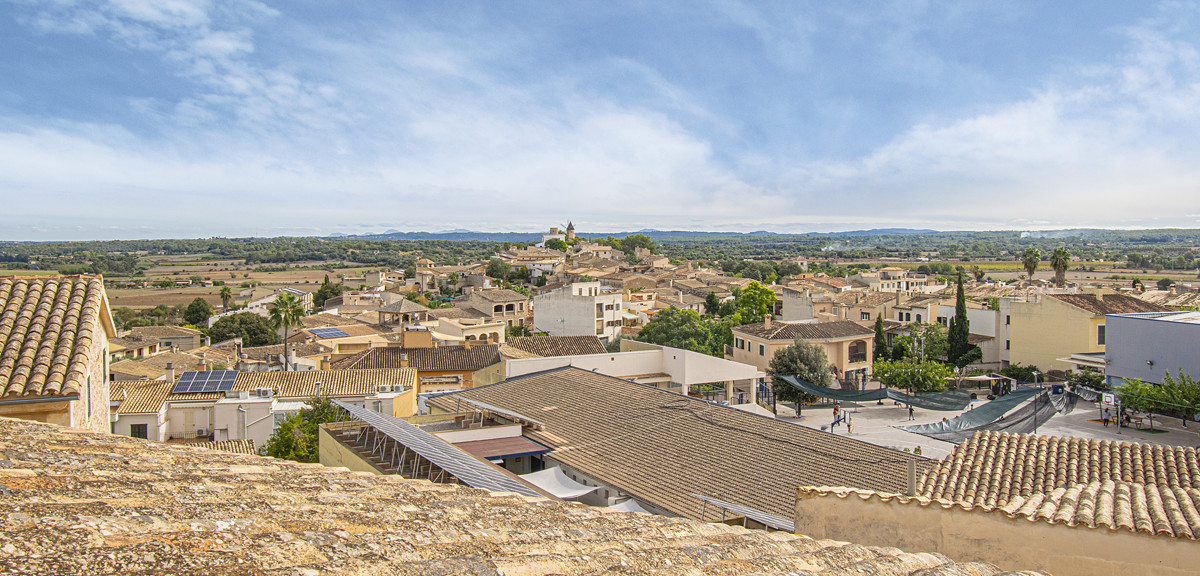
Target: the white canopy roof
(554, 481)
(628, 505)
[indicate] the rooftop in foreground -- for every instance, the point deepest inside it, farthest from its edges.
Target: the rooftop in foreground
(85, 503)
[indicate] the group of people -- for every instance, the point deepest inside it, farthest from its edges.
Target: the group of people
(1124, 416)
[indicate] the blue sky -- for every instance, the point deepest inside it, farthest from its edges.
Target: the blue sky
(192, 118)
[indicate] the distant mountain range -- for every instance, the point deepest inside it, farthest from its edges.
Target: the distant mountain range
(461, 234)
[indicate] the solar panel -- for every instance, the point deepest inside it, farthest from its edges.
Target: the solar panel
(764, 518)
(329, 332)
(205, 381)
(497, 410)
(442, 454)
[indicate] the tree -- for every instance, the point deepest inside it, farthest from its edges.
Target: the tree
(1030, 260)
(556, 244)
(754, 303)
(686, 329)
(1165, 284)
(1138, 396)
(254, 330)
(297, 437)
(227, 296)
(712, 304)
(286, 311)
(918, 376)
(928, 341)
(881, 348)
(498, 269)
(1060, 260)
(1181, 393)
(326, 291)
(636, 241)
(198, 312)
(804, 361)
(960, 328)
(1019, 372)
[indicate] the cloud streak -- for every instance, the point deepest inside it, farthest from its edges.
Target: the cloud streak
(271, 123)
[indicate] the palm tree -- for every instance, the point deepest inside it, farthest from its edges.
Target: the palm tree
(1030, 260)
(1060, 259)
(286, 311)
(226, 296)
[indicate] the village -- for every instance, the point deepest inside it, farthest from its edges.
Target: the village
(573, 370)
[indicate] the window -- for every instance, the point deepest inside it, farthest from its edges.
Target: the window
(138, 431)
(599, 310)
(1100, 335)
(918, 318)
(866, 316)
(739, 343)
(908, 316)
(762, 349)
(1007, 345)
(599, 327)
(1007, 320)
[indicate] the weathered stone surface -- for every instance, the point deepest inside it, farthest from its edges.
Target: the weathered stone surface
(76, 503)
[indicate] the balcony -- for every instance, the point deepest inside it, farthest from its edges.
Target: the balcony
(857, 357)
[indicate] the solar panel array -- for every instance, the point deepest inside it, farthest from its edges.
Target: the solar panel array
(205, 381)
(764, 518)
(442, 454)
(497, 410)
(329, 332)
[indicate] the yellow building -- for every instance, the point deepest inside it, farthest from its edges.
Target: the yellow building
(848, 344)
(1054, 326)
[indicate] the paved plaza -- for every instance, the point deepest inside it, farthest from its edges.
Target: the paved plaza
(875, 423)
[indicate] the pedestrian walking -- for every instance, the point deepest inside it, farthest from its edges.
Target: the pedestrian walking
(1105, 419)
(848, 424)
(910, 413)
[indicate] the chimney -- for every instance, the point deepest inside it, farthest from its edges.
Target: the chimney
(326, 362)
(767, 321)
(171, 371)
(318, 388)
(467, 344)
(1099, 295)
(404, 360)
(201, 366)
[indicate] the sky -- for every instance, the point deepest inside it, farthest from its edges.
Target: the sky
(126, 119)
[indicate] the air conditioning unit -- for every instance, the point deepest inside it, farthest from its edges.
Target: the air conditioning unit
(202, 432)
(264, 392)
(385, 388)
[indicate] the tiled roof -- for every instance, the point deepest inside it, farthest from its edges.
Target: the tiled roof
(324, 320)
(47, 329)
(136, 369)
(663, 447)
(1166, 298)
(831, 281)
(356, 329)
(139, 396)
(303, 383)
(172, 509)
(164, 331)
(436, 359)
(180, 361)
(273, 351)
(546, 346)
(1109, 303)
(501, 295)
(234, 446)
(455, 312)
(807, 331)
(869, 299)
(1119, 485)
(404, 306)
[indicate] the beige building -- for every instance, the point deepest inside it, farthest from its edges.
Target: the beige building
(1054, 326)
(507, 306)
(848, 345)
(54, 355)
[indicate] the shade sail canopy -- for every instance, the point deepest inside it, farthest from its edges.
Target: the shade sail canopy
(952, 400)
(554, 481)
(628, 505)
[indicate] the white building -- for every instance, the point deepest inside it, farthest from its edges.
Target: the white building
(579, 309)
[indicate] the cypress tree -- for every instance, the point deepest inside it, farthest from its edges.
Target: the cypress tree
(960, 327)
(881, 347)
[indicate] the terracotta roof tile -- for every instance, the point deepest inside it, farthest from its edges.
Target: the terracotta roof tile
(47, 328)
(436, 359)
(234, 446)
(1109, 303)
(807, 331)
(1139, 487)
(303, 383)
(546, 346)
